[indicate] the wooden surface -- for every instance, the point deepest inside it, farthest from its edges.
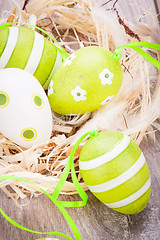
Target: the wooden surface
(94, 221)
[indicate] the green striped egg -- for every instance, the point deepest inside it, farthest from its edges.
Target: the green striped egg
(26, 49)
(116, 172)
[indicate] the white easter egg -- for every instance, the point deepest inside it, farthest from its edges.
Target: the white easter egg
(25, 112)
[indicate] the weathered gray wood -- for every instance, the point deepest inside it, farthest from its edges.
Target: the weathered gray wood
(7, 5)
(94, 221)
(133, 11)
(146, 225)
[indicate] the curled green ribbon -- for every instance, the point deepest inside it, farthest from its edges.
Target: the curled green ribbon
(63, 211)
(135, 46)
(64, 176)
(59, 48)
(54, 196)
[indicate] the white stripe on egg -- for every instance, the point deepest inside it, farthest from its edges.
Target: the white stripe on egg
(36, 53)
(132, 197)
(10, 46)
(87, 165)
(121, 178)
(56, 65)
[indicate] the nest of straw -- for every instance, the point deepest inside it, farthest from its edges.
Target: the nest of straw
(77, 24)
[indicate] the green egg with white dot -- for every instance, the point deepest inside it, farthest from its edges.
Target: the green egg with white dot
(23, 48)
(116, 172)
(25, 111)
(87, 80)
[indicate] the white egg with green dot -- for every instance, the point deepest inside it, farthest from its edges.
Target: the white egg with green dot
(115, 170)
(26, 49)
(25, 112)
(88, 79)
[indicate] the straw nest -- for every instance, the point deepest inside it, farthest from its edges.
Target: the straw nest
(77, 24)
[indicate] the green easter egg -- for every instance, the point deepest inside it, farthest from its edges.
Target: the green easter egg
(26, 49)
(86, 81)
(115, 170)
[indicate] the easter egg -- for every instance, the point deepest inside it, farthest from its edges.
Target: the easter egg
(26, 49)
(25, 113)
(87, 80)
(116, 172)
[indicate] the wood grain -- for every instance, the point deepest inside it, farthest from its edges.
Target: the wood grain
(95, 221)
(133, 11)
(8, 5)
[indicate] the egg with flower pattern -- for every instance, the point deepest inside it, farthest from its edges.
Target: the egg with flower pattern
(25, 112)
(88, 79)
(26, 49)
(115, 170)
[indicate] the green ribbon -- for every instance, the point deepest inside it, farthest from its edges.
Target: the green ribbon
(70, 165)
(59, 48)
(63, 211)
(135, 46)
(54, 196)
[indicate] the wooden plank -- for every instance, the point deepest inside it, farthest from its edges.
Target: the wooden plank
(157, 8)
(94, 221)
(133, 11)
(146, 225)
(7, 5)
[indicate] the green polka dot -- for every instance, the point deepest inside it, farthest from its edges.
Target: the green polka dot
(38, 101)
(3, 99)
(28, 134)
(106, 75)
